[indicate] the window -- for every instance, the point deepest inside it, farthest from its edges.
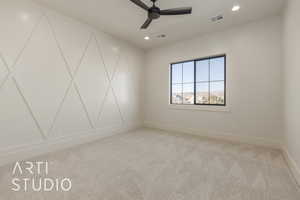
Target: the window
(199, 82)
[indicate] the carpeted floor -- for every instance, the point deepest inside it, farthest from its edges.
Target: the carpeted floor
(155, 165)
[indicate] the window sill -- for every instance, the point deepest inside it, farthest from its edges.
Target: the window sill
(200, 108)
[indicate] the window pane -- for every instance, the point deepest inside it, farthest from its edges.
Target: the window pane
(188, 93)
(177, 94)
(202, 70)
(217, 92)
(217, 69)
(177, 73)
(188, 72)
(202, 93)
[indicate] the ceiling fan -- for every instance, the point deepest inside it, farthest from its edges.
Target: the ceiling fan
(154, 12)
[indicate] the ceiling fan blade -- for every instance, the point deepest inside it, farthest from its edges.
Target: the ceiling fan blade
(140, 4)
(147, 23)
(177, 11)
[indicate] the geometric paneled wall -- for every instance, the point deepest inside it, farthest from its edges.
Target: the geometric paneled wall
(60, 77)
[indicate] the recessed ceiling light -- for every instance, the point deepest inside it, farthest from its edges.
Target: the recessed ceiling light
(147, 38)
(236, 8)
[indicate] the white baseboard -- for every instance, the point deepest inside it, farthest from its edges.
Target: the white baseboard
(276, 144)
(54, 144)
(295, 169)
(233, 138)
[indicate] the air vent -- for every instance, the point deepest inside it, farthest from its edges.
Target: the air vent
(161, 36)
(217, 18)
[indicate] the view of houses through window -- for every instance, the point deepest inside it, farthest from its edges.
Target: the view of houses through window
(200, 82)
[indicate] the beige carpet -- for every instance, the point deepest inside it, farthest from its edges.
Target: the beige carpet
(155, 165)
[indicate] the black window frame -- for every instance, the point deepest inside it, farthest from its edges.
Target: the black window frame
(209, 81)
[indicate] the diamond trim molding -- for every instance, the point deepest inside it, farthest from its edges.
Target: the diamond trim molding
(108, 51)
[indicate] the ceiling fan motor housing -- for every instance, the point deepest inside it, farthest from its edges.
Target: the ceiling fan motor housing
(154, 13)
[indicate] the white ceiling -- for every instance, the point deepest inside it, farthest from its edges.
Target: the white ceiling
(123, 19)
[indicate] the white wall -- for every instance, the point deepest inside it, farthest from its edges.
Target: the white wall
(253, 78)
(62, 80)
(291, 80)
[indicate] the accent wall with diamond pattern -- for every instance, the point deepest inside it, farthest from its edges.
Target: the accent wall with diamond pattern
(61, 79)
